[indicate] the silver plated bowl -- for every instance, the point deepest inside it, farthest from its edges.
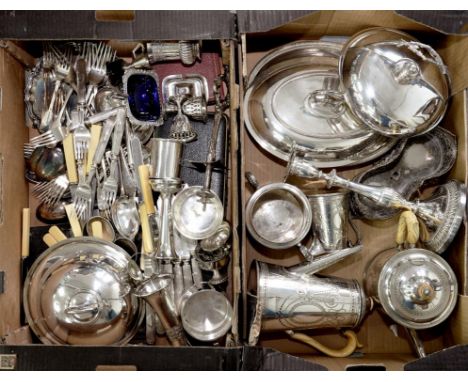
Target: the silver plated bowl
(393, 83)
(278, 215)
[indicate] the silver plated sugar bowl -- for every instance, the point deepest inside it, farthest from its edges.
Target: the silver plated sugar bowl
(416, 288)
(393, 83)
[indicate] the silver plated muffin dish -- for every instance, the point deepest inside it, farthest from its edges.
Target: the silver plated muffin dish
(77, 292)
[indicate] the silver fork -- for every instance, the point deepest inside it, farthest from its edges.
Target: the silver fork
(57, 132)
(63, 63)
(82, 136)
(81, 139)
(83, 193)
(97, 55)
(51, 192)
(108, 191)
(28, 149)
(47, 115)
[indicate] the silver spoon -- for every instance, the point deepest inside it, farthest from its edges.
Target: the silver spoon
(124, 210)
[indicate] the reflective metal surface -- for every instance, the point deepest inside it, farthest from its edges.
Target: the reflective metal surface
(299, 103)
(297, 300)
(278, 215)
(393, 83)
(415, 287)
(77, 292)
(125, 217)
(207, 315)
(165, 158)
(197, 215)
(330, 219)
(190, 85)
(410, 164)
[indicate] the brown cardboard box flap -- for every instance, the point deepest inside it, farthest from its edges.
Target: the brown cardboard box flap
(146, 25)
(459, 322)
(448, 22)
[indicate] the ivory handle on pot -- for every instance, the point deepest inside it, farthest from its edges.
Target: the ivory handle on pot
(143, 172)
(70, 158)
(146, 231)
(408, 229)
(73, 220)
(96, 228)
(346, 351)
(57, 233)
(49, 240)
(93, 144)
(25, 234)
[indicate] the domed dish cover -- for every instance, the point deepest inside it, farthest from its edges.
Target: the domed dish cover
(295, 100)
(416, 288)
(406, 168)
(77, 293)
(394, 84)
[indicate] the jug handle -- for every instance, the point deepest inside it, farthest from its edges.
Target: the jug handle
(346, 351)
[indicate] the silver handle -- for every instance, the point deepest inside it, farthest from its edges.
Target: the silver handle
(178, 283)
(80, 69)
(101, 148)
(117, 141)
(187, 274)
(165, 227)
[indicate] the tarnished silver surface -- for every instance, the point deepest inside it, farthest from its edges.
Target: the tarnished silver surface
(393, 83)
(330, 214)
(405, 169)
(299, 103)
(130, 72)
(278, 215)
(189, 85)
(289, 300)
(442, 213)
(415, 287)
(77, 292)
(218, 239)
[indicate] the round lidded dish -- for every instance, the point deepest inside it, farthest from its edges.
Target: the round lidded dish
(77, 293)
(294, 99)
(416, 287)
(393, 83)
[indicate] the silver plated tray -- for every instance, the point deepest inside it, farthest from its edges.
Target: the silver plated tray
(406, 168)
(296, 102)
